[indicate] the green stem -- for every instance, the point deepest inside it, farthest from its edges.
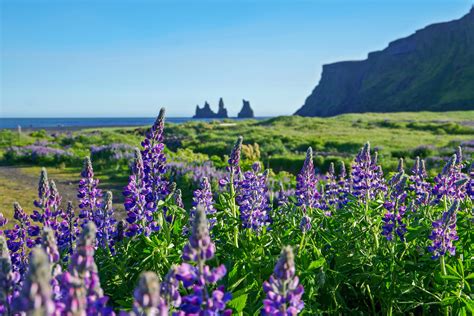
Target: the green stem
(234, 209)
(302, 242)
(444, 272)
(372, 303)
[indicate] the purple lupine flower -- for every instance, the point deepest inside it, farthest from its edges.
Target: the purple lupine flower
(73, 295)
(3, 222)
(331, 190)
(283, 291)
(137, 203)
(451, 182)
(281, 196)
(419, 185)
(53, 209)
(198, 277)
(7, 278)
(305, 223)
(444, 233)
(154, 162)
(48, 244)
(35, 297)
(195, 171)
(68, 231)
(234, 165)
(252, 198)
(202, 197)
(470, 184)
(42, 215)
(170, 288)
(88, 193)
(83, 268)
(234, 158)
(178, 198)
(105, 223)
(147, 299)
(306, 184)
(395, 207)
(18, 240)
(344, 186)
(367, 175)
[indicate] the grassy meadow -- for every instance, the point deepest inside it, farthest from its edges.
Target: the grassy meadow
(280, 143)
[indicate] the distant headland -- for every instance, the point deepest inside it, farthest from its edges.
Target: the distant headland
(207, 112)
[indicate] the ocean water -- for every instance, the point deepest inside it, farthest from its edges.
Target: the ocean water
(65, 123)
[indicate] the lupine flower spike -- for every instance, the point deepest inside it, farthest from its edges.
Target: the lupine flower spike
(367, 177)
(138, 201)
(7, 278)
(200, 249)
(68, 231)
(283, 291)
(444, 233)
(147, 299)
(154, 162)
(306, 190)
(83, 276)
(88, 193)
(395, 206)
(203, 197)
(252, 198)
(19, 241)
(35, 297)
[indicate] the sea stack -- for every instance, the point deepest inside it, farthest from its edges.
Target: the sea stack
(246, 111)
(206, 111)
(222, 111)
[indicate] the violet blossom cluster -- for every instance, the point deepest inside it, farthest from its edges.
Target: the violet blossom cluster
(234, 165)
(90, 196)
(306, 183)
(252, 198)
(395, 206)
(112, 152)
(35, 297)
(450, 183)
(37, 151)
(154, 162)
(195, 171)
(18, 239)
(81, 290)
(307, 193)
(147, 298)
(283, 291)
(367, 176)
(8, 278)
(197, 276)
(419, 185)
(68, 231)
(444, 233)
(202, 197)
(105, 223)
(138, 201)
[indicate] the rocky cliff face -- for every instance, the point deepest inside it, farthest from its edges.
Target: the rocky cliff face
(246, 111)
(431, 70)
(206, 111)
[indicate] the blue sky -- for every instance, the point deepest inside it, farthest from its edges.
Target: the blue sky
(128, 58)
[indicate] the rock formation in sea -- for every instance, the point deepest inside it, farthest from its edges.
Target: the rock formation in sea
(246, 111)
(206, 111)
(222, 111)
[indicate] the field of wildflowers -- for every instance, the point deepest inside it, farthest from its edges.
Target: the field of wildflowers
(352, 241)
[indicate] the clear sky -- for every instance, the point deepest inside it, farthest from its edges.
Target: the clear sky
(128, 58)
